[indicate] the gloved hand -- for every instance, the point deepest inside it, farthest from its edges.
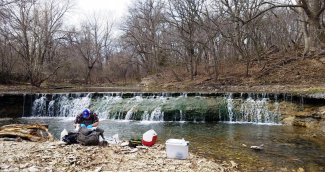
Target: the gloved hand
(90, 126)
(82, 125)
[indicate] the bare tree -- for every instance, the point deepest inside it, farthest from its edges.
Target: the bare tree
(3, 9)
(245, 39)
(92, 43)
(310, 12)
(8, 61)
(34, 31)
(185, 16)
(143, 31)
(313, 30)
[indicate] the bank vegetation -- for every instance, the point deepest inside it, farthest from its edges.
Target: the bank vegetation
(222, 41)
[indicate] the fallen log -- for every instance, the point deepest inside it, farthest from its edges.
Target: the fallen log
(31, 132)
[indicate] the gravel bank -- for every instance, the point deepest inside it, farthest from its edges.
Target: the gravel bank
(54, 156)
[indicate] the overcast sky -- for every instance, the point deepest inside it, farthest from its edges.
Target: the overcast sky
(112, 9)
(116, 7)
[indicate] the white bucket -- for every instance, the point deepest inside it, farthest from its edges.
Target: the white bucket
(177, 148)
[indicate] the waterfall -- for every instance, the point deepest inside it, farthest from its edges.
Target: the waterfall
(39, 106)
(230, 107)
(50, 109)
(156, 115)
(104, 106)
(160, 107)
(145, 116)
(128, 115)
(253, 110)
(62, 106)
(182, 116)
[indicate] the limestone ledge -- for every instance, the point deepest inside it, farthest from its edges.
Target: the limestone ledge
(308, 116)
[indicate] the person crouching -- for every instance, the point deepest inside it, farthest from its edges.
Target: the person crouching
(89, 120)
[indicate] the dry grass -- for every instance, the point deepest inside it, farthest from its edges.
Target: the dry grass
(277, 69)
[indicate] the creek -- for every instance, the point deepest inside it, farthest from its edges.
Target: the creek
(218, 126)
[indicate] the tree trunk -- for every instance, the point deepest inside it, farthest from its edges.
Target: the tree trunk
(247, 67)
(215, 67)
(88, 78)
(191, 68)
(313, 32)
(192, 63)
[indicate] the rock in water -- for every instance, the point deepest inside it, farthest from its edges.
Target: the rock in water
(257, 147)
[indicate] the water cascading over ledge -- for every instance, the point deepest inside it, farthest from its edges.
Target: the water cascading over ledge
(254, 108)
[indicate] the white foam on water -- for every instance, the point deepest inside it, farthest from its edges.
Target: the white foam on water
(123, 121)
(150, 122)
(253, 123)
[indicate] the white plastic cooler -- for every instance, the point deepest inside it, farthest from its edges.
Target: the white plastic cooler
(177, 148)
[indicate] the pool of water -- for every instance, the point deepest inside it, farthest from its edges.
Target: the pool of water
(285, 147)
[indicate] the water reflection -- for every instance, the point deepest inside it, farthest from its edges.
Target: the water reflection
(285, 147)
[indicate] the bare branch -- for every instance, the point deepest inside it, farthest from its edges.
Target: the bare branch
(270, 8)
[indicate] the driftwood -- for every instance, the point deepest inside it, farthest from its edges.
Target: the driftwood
(31, 132)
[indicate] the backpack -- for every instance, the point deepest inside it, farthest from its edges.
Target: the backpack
(70, 138)
(88, 137)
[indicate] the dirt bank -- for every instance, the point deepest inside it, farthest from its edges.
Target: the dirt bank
(281, 72)
(53, 156)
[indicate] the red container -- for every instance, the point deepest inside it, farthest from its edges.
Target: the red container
(149, 138)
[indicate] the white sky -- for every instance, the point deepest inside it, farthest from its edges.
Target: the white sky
(114, 10)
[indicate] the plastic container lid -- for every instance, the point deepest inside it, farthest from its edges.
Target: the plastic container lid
(178, 142)
(148, 136)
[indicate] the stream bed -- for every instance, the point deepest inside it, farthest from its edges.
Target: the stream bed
(286, 148)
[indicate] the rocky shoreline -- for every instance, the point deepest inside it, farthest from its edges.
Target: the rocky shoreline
(55, 156)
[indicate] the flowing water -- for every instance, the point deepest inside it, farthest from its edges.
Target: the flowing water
(220, 127)
(160, 107)
(285, 147)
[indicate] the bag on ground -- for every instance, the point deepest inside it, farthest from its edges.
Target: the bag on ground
(70, 138)
(88, 137)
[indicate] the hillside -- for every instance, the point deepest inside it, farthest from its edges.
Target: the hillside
(276, 74)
